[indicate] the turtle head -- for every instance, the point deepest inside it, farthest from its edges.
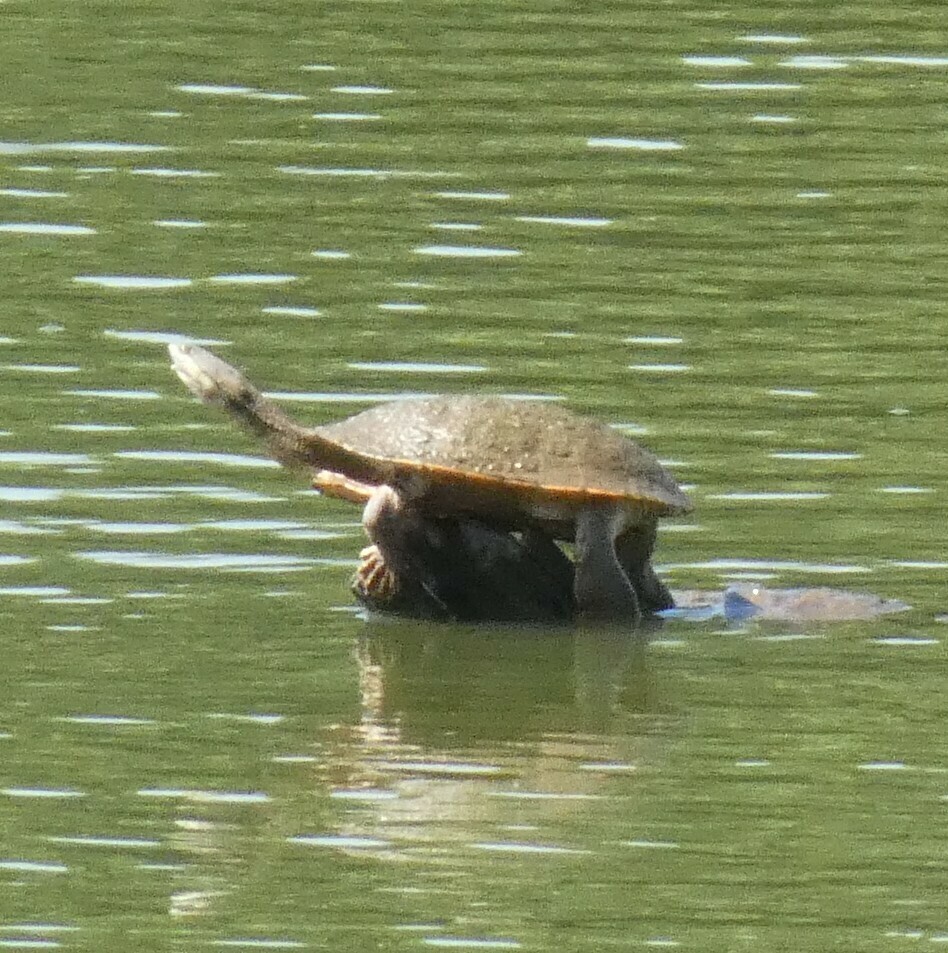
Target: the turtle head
(209, 378)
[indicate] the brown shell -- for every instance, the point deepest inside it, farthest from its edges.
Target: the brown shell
(505, 454)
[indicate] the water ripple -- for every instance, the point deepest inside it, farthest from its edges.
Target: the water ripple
(340, 840)
(42, 368)
(814, 62)
(473, 196)
(188, 456)
(472, 943)
(34, 866)
(362, 90)
(521, 847)
(258, 943)
(178, 223)
(206, 797)
(40, 228)
(45, 459)
(34, 194)
(163, 337)
(293, 311)
(768, 495)
(411, 367)
(776, 565)
(750, 87)
(780, 39)
(108, 720)
(717, 62)
(357, 173)
(210, 89)
(251, 279)
(402, 306)
(135, 282)
(166, 173)
(234, 562)
(578, 221)
(814, 455)
(347, 117)
(647, 145)
(34, 148)
(44, 793)
(443, 769)
(116, 394)
(136, 843)
(466, 251)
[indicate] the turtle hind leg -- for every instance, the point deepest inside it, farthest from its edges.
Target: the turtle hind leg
(634, 549)
(394, 574)
(602, 588)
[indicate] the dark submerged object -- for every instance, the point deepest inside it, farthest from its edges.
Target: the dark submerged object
(454, 475)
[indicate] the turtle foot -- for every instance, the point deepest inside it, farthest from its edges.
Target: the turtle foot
(373, 583)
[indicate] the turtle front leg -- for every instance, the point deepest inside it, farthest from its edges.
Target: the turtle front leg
(603, 590)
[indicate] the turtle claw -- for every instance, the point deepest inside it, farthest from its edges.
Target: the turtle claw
(374, 582)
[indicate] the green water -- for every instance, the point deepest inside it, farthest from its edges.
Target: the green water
(201, 743)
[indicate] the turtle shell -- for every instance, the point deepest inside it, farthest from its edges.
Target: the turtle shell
(507, 458)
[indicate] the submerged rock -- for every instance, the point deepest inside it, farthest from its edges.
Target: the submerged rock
(806, 604)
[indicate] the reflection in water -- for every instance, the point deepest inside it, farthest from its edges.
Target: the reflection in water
(564, 713)
(429, 695)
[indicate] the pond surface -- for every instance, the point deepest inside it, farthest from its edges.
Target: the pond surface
(720, 228)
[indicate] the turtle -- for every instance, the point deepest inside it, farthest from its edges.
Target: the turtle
(508, 464)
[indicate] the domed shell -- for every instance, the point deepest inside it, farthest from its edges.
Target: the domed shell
(521, 452)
